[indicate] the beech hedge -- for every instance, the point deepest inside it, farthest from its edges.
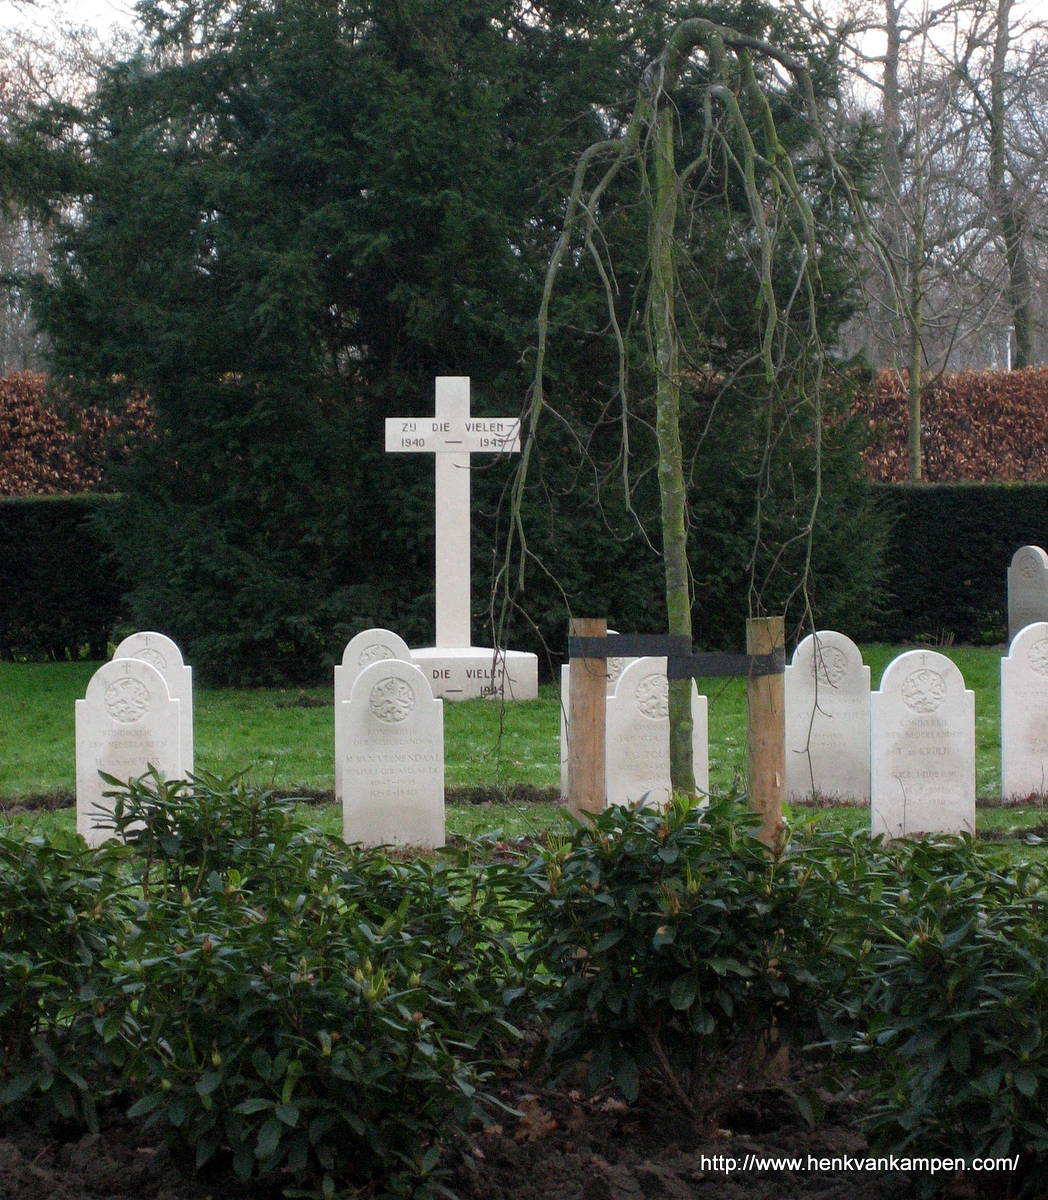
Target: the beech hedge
(60, 588)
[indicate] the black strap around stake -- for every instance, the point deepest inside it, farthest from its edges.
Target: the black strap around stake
(680, 662)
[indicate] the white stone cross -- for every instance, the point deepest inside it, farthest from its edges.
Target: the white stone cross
(451, 434)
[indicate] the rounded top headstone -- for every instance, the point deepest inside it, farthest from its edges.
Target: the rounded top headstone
(643, 682)
(393, 690)
(127, 690)
(157, 649)
(374, 645)
(1030, 645)
(831, 658)
(1028, 560)
(923, 679)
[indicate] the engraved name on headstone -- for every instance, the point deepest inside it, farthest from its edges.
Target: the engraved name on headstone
(161, 652)
(1024, 714)
(828, 720)
(922, 748)
(1027, 588)
(126, 723)
(389, 740)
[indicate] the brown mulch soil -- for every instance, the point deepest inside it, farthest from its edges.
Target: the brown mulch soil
(566, 1145)
(558, 1144)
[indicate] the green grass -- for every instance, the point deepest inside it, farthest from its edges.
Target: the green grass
(284, 738)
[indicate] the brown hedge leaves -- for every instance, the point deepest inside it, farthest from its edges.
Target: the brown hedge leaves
(40, 453)
(976, 425)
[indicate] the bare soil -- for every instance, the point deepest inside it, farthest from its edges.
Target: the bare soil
(559, 1144)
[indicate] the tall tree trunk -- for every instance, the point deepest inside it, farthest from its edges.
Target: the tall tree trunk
(1006, 214)
(667, 426)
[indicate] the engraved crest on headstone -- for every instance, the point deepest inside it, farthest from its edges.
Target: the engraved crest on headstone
(830, 664)
(652, 697)
(923, 691)
(375, 653)
(392, 700)
(127, 700)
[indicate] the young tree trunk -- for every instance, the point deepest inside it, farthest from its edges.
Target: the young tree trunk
(1005, 210)
(667, 426)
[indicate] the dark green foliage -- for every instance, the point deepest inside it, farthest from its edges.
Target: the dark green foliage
(948, 554)
(61, 910)
(282, 238)
(754, 487)
(953, 1003)
(60, 589)
(298, 1006)
(675, 944)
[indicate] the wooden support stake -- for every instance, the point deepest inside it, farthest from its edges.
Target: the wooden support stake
(766, 699)
(588, 687)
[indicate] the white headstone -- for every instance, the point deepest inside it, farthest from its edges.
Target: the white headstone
(455, 667)
(160, 651)
(828, 720)
(389, 739)
(1024, 714)
(126, 723)
(922, 748)
(637, 753)
(1027, 588)
(370, 646)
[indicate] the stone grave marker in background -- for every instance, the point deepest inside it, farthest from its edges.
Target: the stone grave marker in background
(389, 740)
(126, 723)
(456, 668)
(922, 748)
(372, 645)
(160, 651)
(367, 647)
(828, 720)
(1024, 714)
(1027, 588)
(637, 752)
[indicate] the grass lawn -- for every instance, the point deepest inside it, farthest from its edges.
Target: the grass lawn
(284, 739)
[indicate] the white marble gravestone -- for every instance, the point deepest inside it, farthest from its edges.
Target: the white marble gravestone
(637, 747)
(1027, 588)
(456, 668)
(126, 723)
(637, 739)
(1024, 714)
(827, 720)
(160, 651)
(922, 748)
(371, 645)
(389, 740)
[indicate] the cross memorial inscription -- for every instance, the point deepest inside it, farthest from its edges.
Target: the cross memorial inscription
(457, 669)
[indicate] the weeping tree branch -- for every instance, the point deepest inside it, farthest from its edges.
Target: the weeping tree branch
(649, 145)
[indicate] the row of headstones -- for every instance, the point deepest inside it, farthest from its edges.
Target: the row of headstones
(909, 748)
(389, 733)
(137, 712)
